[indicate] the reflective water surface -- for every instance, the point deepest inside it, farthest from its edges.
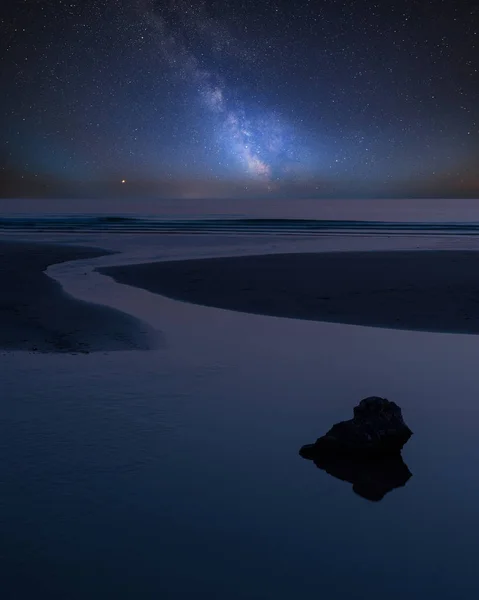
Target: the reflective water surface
(175, 473)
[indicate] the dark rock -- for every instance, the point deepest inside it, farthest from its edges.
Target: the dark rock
(366, 450)
(376, 430)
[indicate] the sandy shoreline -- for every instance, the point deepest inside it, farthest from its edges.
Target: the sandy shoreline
(426, 290)
(417, 290)
(37, 315)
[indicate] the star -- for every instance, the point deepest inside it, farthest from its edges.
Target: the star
(246, 92)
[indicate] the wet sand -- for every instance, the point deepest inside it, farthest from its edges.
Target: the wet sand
(417, 290)
(37, 315)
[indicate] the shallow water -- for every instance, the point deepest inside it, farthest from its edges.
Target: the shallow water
(175, 473)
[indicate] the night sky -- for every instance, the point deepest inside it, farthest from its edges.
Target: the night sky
(239, 98)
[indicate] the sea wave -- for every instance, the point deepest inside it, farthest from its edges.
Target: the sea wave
(238, 226)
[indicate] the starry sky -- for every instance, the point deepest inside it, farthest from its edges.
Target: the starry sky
(234, 98)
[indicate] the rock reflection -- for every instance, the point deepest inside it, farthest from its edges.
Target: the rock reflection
(372, 478)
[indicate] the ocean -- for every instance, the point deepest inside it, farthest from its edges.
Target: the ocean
(241, 217)
(92, 223)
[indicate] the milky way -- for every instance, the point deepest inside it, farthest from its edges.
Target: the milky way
(256, 142)
(239, 97)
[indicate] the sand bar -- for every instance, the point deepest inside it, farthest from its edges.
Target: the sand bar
(37, 315)
(418, 290)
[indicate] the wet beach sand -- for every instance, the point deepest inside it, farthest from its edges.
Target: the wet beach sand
(37, 315)
(416, 290)
(176, 472)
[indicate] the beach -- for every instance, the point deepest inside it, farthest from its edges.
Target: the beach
(426, 290)
(176, 471)
(37, 315)
(435, 291)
